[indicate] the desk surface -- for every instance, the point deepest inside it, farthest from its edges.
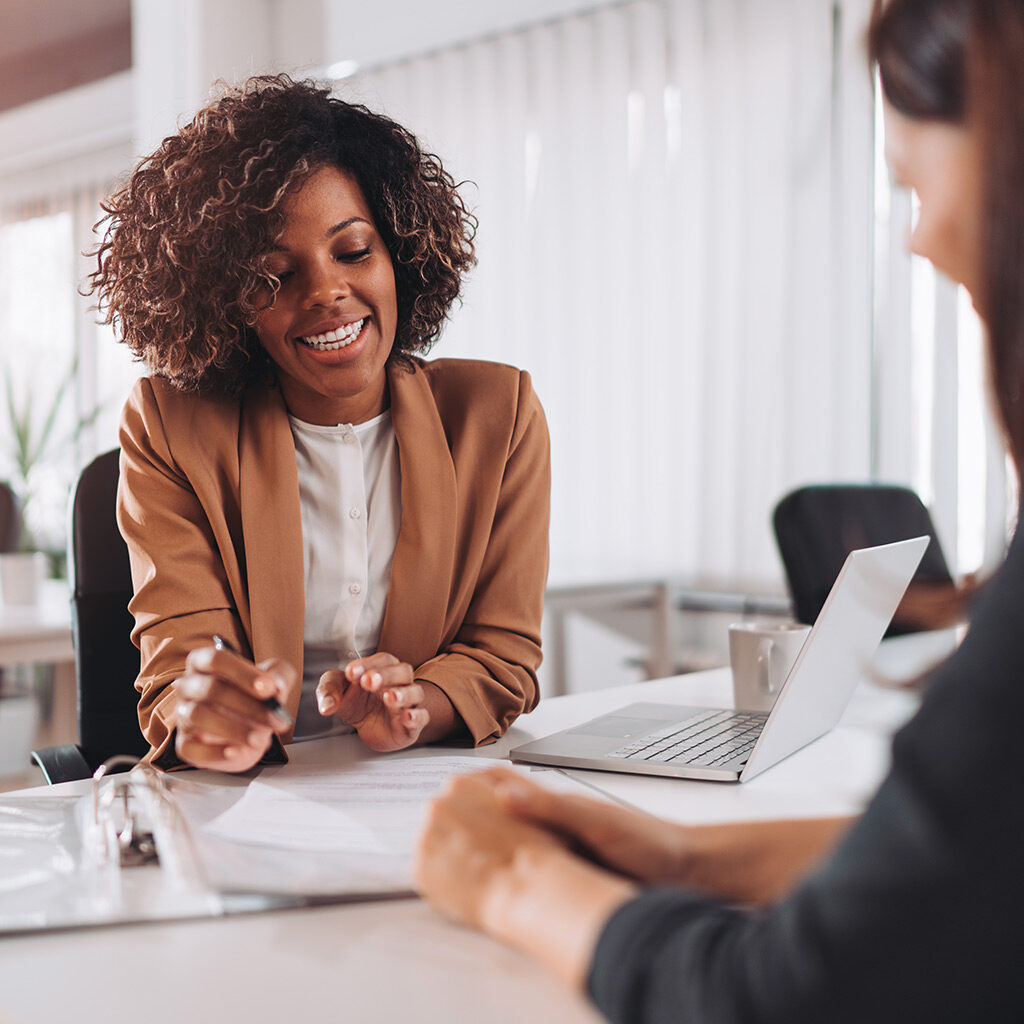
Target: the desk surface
(38, 632)
(398, 961)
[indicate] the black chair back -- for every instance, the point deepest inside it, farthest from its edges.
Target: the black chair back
(107, 662)
(816, 527)
(10, 519)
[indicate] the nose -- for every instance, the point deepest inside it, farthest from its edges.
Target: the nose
(326, 283)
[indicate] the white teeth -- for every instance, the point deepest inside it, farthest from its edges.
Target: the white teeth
(335, 339)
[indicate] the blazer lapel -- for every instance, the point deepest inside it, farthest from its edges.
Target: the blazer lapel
(421, 573)
(272, 531)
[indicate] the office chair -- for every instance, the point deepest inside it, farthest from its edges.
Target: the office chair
(816, 527)
(106, 660)
(10, 519)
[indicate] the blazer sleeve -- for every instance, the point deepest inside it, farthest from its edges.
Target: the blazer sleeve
(489, 670)
(918, 915)
(176, 545)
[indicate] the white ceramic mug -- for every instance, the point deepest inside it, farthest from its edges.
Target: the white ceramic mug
(21, 577)
(761, 655)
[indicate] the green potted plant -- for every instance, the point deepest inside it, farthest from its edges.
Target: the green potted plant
(35, 441)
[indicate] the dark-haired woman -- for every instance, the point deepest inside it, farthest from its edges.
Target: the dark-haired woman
(365, 529)
(915, 912)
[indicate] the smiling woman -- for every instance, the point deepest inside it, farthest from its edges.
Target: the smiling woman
(369, 527)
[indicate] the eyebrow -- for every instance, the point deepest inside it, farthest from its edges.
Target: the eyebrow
(331, 232)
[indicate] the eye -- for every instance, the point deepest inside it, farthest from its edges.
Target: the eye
(354, 256)
(283, 275)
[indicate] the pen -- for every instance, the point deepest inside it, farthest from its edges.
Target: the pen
(272, 703)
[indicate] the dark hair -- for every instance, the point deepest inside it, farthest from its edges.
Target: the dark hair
(184, 253)
(962, 61)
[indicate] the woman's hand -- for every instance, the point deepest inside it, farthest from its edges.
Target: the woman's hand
(220, 719)
(743, 862)
(479, 865)
(467, 843)
(379, 697)
(628, 842)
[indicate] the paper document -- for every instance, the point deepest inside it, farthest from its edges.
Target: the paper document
(324, 830)
(372, 808)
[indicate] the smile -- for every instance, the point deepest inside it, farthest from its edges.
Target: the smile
(332, 340)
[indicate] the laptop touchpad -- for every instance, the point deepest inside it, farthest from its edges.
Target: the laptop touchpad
(616, 725)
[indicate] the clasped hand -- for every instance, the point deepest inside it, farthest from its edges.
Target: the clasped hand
(482, 822)
(496, 854)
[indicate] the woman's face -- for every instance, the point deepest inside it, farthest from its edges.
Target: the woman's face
(332, 323)
(940, 163)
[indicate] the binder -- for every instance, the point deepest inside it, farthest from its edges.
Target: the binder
(124, 854)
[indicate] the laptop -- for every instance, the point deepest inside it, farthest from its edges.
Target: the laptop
(729, 745)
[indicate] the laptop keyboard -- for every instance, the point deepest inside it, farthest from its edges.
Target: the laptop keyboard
(711, 739)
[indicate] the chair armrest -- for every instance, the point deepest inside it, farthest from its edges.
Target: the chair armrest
(62, 764)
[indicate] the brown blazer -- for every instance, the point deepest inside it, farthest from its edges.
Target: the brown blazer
(208, 504)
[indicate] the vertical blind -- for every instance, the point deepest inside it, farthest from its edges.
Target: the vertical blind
(675, 204)
(687, 236)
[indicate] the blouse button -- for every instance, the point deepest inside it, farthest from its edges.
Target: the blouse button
(354, 513)
(354, 588)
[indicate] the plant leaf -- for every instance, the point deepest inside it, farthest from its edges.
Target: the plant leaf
(51, 416)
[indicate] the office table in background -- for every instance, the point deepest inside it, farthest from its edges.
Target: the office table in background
(399, 961)
(41, 632)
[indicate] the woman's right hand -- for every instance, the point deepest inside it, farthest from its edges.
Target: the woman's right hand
(750, 862)
(220, 719)
(629, 842)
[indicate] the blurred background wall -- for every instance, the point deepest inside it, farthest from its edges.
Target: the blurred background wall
(686, 234)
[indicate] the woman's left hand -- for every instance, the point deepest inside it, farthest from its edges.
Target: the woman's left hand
(468, 843)
(379, 697)
(483, 867)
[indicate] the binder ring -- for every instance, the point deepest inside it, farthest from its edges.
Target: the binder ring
(135, 845)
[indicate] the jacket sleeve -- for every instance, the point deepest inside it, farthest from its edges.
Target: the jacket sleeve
(918, 915)
(176, 547)
(489, 670)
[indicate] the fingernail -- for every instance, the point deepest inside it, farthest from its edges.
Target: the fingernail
(355, 671)
(284, 720)
(375, 679)
(253, 739)
(263, 687)
(327, 705)
(231, 751)
(391, 696)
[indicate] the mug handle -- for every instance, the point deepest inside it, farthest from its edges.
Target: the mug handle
(765, 683)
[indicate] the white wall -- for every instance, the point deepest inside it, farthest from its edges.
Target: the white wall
(677, 209)
(675, 205)
(390, 30)
(181, 48)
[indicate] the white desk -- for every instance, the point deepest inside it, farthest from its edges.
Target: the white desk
(41, 632)
(38, 632)
(398, 961)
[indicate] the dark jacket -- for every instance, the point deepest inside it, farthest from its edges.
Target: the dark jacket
(919, 913)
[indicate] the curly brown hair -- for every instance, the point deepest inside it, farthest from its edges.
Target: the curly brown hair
(183, 258)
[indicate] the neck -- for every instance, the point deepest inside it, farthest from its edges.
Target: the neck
(328, 410)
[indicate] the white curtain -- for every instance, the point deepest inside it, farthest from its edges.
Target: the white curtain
(687, 238)
(934, 428)
(675, 203)
(46, 331)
